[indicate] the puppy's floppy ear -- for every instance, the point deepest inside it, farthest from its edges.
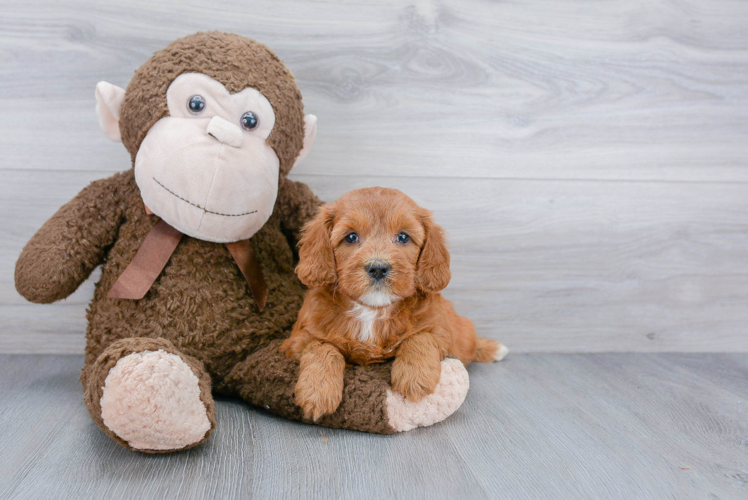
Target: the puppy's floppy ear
(316, 259)
(432, 270)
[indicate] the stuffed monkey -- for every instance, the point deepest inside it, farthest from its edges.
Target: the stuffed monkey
(196, 243)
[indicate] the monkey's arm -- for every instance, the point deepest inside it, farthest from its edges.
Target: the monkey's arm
(62, 254)
(268, 379)
(297, 205)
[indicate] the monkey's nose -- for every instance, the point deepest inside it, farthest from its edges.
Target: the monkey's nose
(378, 270)
(225, 131)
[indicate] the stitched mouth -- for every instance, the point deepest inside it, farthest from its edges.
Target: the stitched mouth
(198, 206)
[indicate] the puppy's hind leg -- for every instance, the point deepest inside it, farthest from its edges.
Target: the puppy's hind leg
(487, 350)
(467, 346)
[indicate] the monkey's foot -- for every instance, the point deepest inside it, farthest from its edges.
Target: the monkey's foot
(151, 400)
(449, 395)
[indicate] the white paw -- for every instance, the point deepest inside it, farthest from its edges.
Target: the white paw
(151, 400)
(501, 353)
(449, 395)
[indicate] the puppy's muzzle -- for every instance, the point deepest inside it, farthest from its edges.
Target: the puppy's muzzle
(378, 270)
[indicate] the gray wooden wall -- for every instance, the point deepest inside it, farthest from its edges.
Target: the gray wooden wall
(589, 159)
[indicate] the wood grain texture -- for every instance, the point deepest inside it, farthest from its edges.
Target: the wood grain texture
(652, 89)
(591, 426)
(587, 159)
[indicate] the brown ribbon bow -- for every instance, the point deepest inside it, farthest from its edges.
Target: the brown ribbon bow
(155, 252)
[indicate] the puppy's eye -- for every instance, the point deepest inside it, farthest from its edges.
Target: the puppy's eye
(403, 238)
(196, 104)
(351, 238)
(250, 121)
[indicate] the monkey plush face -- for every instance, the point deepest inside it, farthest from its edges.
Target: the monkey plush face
(210, 164)
(206, 168)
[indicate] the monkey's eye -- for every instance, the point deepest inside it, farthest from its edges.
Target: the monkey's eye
(403, 238)
(196, 104)
(351, 238)
(250, 121)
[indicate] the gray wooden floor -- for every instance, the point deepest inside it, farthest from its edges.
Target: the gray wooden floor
(535, 426)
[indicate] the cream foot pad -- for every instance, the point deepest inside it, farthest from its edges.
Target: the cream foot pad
(449, 395)
(151, 400)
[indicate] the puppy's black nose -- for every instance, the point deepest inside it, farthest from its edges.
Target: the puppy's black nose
(378, 270)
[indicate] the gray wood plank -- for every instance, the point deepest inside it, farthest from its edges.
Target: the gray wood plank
(549, 266)
(535, 426)
(647, 90)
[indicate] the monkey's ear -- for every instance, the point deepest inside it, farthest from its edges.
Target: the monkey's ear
(108, 103)
(310, 131)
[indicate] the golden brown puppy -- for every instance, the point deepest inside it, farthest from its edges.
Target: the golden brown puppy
(375, 263)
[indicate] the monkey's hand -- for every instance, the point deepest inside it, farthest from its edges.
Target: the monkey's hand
(268, 379)
(62, 254)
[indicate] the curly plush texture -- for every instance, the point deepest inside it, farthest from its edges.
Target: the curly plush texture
(268, 379)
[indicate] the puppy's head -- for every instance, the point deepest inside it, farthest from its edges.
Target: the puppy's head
(376, 246)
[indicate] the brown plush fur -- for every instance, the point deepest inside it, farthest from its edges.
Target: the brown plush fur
(200, 307)
(418, 328)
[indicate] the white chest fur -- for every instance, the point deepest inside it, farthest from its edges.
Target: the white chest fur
(365, 319)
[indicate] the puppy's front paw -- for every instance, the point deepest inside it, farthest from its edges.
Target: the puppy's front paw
(415, 381)
(318, 397)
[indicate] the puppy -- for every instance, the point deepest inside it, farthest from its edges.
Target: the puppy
(375, 262)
